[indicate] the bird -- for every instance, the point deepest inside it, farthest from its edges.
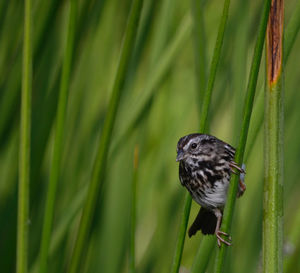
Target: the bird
(205, 167)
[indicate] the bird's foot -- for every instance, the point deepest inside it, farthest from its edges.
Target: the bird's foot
(242, 188)
(242, 185)
(233, 165)
(221, 240)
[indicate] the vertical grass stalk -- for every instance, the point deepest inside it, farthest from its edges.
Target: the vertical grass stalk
(24, 149)
(232, 191)
(58, 140)
(197, 8)
(100, 161)
(213, 67)
(273, 140)
(203, 118)
(133, 211)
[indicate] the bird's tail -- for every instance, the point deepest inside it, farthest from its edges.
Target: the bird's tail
(205, 221)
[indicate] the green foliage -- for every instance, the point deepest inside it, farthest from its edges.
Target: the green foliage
(58, 139)
(159, 104)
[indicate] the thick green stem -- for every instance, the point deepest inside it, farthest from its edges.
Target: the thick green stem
(99, 164)
(231, 197)
(273, 187)
(58, 141)
(24, 149)
(273, 140)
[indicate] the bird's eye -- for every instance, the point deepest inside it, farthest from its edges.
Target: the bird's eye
(194, 145)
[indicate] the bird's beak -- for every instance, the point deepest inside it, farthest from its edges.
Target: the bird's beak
(180, 155)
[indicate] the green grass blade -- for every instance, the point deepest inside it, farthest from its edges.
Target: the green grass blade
(58, 141)
(24, 160)
(228, 212)
(273, 140)
(213, 67)
(203, 118)
(132, 268)
(197, 8)
(99, 164)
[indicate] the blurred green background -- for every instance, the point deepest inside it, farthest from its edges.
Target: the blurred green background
(160, 103)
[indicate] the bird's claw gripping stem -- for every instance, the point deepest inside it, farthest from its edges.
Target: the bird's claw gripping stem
(242, 185)
(221, 240)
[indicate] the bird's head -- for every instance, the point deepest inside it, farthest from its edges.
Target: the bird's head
(195, 145)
